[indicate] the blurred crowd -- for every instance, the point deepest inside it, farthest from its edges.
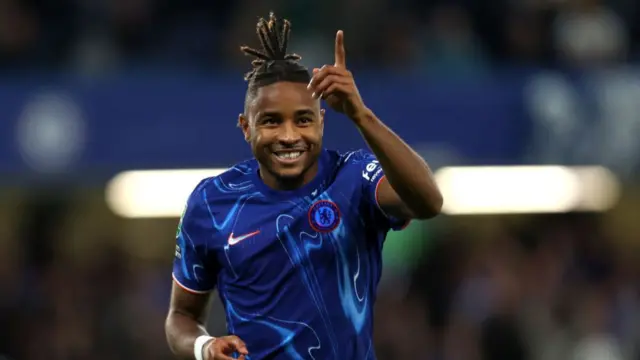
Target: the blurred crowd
(548, 287)
(553, 287)
(435, 36)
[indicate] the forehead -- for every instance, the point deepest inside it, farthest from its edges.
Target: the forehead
(283, 97)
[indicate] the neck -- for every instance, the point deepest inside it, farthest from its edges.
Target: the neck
(288, 183)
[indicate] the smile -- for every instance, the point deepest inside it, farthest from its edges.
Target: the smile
(288, 156)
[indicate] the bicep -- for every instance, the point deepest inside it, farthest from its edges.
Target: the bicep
(379, 196)
(188, 303)
(389, 201)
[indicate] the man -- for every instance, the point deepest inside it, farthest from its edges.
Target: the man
(293, 238)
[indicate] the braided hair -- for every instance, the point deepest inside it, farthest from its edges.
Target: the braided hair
(272, 64)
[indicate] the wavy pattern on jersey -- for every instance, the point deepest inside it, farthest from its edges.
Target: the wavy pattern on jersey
(196, 264)
(243, 168)
(282, 328)
(354, 303)
(357, 157)
(231, 214)
(231, 187)
(300, 259)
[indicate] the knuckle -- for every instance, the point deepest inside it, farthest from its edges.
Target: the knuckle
(236, 339)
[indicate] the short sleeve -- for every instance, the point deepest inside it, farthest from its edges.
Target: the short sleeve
(370, 176)
(194, 269)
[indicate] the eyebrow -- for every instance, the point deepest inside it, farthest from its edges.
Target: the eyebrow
(297, 113)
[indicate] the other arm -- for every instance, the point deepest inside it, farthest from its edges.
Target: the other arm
(195, 271)
(185, 321)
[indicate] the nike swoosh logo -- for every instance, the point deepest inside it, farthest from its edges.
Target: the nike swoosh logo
(234, 240)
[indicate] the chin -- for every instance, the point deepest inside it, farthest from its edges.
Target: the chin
(289, 174)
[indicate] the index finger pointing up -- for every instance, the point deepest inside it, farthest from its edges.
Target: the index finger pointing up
(339, 50)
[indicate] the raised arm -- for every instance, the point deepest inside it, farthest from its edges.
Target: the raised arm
(408, 189)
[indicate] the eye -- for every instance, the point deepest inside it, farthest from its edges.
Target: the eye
(269, 121)
(305, 120)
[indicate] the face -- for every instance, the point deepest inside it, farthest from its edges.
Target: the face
(284, 127)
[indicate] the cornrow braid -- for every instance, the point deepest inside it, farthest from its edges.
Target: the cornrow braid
(272, 63)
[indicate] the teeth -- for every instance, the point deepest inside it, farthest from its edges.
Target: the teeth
(289, 155)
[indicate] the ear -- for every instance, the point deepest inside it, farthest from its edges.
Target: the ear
(243, 124)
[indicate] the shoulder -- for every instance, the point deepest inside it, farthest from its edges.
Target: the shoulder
(358, 157)
(359, 165)
(348, 158)
(229, 183)
(239, 173)
(351, 159)
(353, 166)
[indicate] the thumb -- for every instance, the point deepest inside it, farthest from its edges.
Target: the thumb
(217, 350)
(239, 345)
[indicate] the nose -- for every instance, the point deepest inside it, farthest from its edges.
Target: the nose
(289, 133)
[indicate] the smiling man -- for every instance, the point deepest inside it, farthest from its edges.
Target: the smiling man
(293, 239)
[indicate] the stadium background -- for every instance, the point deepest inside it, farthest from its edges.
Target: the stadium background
(538, 265)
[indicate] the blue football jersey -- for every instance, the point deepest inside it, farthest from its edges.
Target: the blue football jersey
(297, 271)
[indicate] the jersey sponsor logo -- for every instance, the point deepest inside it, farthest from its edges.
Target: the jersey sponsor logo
(372, 170)
(236, 239)
(178, 252)
(324, 216)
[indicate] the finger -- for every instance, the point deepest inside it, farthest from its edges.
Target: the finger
(239, 345)
(221, 356)
(328, 81)
(335, 88)
(223, 347)
(321, 88)
(339, 50)
(325, 71)
(318, 74)
(218, 351)
(331, 69)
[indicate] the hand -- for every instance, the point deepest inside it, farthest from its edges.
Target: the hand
(336, 86)
(221, 348)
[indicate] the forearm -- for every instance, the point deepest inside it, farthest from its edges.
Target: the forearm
(182, 331)
(407, 173)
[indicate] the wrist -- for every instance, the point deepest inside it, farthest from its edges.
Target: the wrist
(363, 117)
(200, 346)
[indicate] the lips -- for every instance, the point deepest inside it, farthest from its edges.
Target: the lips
(288, 156)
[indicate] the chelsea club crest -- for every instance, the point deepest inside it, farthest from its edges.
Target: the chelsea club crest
(324, 216)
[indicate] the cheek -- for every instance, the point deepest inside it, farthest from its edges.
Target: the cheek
(259, 139)
(313, 135)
